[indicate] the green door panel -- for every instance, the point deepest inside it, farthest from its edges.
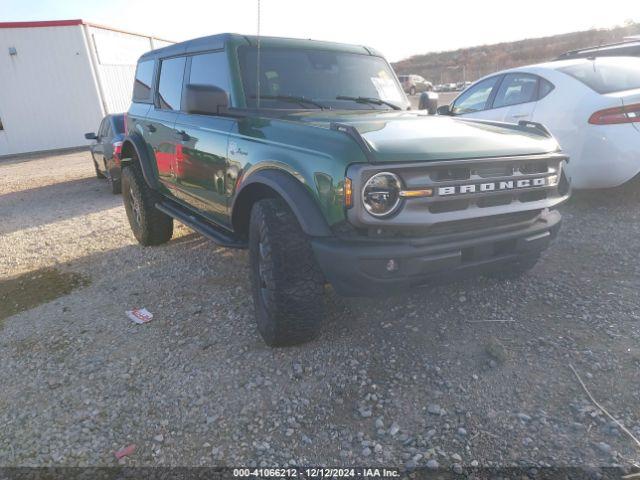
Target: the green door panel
(158, 133)
(201, 164)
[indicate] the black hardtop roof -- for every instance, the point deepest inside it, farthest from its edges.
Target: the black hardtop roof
(220, 41)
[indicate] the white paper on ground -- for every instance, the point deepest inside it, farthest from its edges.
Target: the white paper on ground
(140, 315)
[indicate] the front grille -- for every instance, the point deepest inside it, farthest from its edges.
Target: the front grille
(494, 171)
(500, 177)
(450, 173)
(534, 167)
(464, 190)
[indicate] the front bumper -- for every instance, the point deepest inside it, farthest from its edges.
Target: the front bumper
(358, 267)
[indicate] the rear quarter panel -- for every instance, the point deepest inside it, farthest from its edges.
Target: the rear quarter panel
(601, 156)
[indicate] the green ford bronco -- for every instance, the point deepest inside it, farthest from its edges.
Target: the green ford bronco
(308, 154)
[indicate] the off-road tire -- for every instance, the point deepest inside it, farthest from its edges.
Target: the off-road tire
(516, 269)
(149, 225)
(286, 282)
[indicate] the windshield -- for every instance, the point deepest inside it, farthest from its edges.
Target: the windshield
(320, 76)
(607, 74)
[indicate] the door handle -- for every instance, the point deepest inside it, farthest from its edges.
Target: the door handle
(520, 115)
(151, 127)
(182, 135)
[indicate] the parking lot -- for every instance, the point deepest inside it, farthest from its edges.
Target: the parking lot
(465, 374)
(444, 98)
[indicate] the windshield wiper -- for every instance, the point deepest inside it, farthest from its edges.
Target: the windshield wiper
(292, 99)
(375, 101)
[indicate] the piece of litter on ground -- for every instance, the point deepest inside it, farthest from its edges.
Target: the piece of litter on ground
(139, 315)
(126, 451)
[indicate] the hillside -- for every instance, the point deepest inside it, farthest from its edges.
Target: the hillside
(475, 62)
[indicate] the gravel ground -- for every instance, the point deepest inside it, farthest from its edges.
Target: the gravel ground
(465, 374)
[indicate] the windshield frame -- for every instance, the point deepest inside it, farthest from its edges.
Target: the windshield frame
(246, 102)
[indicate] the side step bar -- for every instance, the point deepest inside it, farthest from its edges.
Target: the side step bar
(200, 225)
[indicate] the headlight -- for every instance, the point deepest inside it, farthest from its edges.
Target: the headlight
(381, 194)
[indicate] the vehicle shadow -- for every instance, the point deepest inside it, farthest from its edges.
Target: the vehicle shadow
(53, 203)
(624, 194)
(28, 157)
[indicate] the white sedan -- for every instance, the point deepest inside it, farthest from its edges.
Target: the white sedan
(591, 106)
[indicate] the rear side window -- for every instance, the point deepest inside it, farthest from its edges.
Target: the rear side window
(516, 88)
(170, 83)
(607, 75)
(143, 80)
(210, 69)
(545, 88)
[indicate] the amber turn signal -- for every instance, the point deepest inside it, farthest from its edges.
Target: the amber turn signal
(348, 193)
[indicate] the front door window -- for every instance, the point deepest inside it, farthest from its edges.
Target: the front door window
(476, 98)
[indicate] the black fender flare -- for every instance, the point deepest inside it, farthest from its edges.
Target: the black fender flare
(295, 194)
(145, 158)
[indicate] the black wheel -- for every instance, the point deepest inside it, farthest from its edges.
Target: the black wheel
(99, 174)
(516, 269)
(412, 91)
(287, 284)
(149, 225)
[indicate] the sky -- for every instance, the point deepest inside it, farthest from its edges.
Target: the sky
(397, 29)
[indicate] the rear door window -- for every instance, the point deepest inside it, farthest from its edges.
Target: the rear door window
(170, 83)
(475, 98)
(607, 74)
(516, 88)
(210, 69)
(143, 80)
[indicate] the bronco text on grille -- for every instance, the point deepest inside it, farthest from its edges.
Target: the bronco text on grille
(492, 186)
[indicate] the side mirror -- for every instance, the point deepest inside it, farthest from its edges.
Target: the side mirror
(444, 110)
(91, 136)
(205, 99)
(429, 102)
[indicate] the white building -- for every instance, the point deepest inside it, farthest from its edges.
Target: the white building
(59, 78)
